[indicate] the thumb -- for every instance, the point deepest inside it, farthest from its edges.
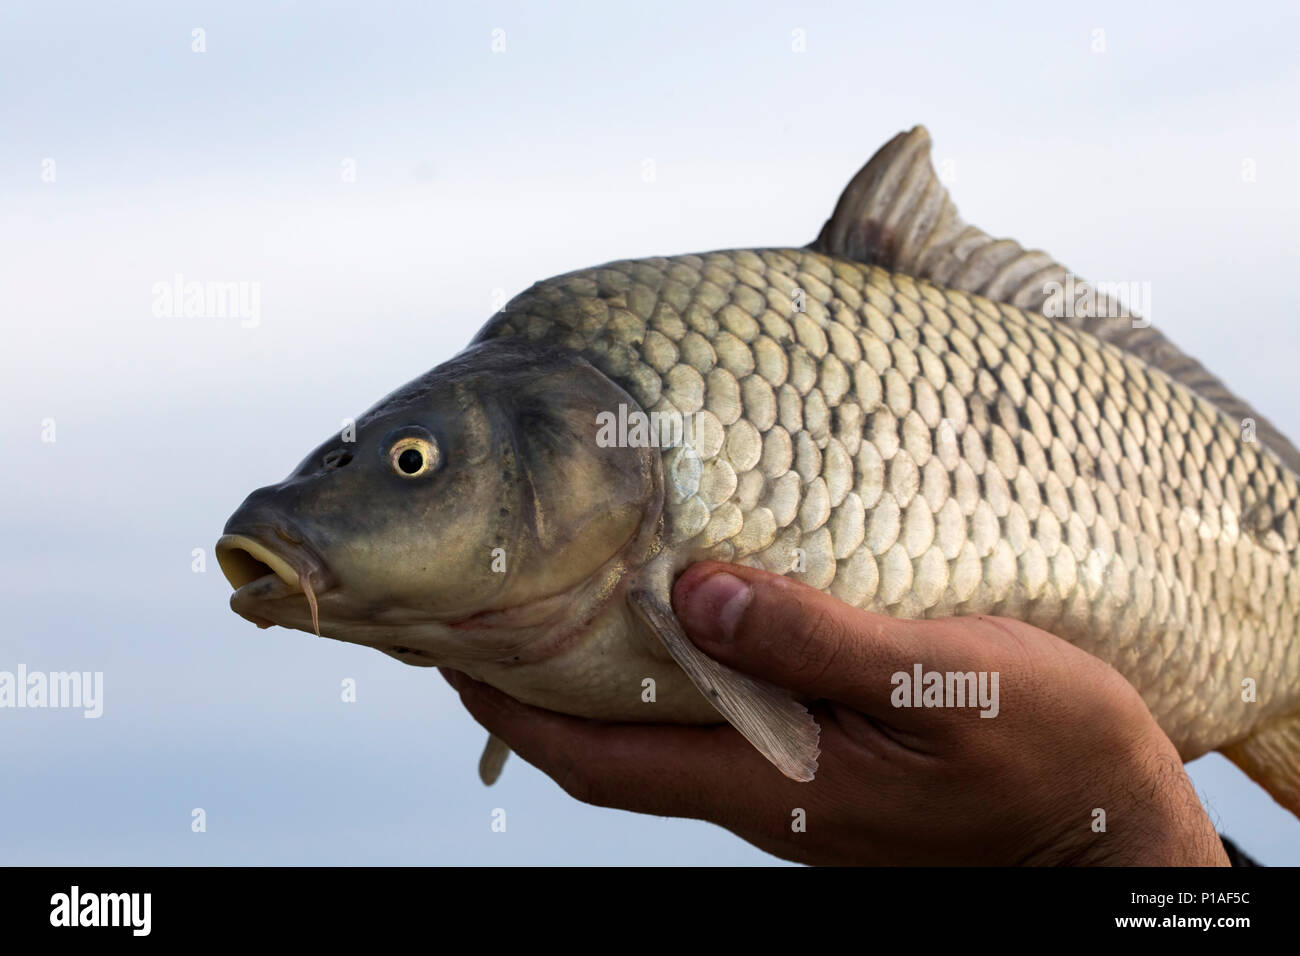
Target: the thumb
(792, 635)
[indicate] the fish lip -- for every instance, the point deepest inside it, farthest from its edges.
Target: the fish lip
(230, 546)
(289, 557)
(241, 550)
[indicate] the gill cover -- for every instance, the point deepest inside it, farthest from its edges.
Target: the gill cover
(524, 505)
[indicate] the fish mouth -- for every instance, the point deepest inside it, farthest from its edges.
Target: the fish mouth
(261, 574)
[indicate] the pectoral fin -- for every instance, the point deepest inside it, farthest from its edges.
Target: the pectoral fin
(778, 726)
(494, 757)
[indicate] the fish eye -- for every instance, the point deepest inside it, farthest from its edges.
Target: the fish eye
(413, 456)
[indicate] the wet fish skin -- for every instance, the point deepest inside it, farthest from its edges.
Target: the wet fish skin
(934, 453)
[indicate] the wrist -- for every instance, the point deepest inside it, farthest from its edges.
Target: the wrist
(1163, 822)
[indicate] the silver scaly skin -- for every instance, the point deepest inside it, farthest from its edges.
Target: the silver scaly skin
(935, 453)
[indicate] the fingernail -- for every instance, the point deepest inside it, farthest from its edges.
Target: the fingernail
(715, 606)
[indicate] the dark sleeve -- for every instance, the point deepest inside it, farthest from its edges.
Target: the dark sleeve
(1235, 856)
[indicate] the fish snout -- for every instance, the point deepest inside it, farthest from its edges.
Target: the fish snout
(267, 562)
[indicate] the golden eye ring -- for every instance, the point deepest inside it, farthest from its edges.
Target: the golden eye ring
(413, 457)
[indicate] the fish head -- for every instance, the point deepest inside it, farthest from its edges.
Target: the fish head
(472, 515)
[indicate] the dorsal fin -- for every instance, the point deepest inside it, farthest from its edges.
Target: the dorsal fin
(896, 214)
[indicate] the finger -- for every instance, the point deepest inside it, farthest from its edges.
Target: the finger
(793, 635)
(669, 770)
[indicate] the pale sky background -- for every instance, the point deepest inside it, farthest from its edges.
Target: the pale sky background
(478, 172)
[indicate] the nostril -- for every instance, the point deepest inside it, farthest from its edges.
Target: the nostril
(337, 458)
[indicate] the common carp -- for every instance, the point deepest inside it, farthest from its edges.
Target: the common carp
(897, 413)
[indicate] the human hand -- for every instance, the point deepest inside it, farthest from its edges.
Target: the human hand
(895, 785)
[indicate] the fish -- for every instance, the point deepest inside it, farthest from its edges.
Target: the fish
(906, 413)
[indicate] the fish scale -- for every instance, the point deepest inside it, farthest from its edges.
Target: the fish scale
(934, 453)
